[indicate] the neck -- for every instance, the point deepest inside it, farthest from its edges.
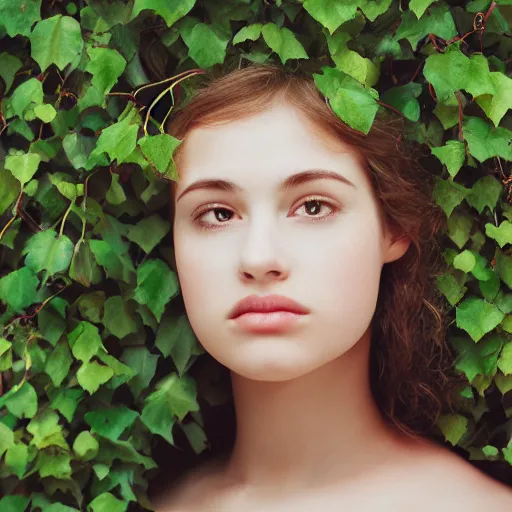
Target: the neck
(322, 425)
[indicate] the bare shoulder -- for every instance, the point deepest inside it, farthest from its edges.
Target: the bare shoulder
(451, 478)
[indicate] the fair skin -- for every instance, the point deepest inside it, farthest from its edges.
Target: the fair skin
(309, 433)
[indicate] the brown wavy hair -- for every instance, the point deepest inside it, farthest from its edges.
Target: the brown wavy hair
(411, 365)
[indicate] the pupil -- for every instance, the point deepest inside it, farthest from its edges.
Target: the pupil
(316, 206)
(220, 210)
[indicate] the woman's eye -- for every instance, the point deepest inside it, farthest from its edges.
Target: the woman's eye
(311, 206)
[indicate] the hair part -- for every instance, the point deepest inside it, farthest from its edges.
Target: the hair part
(411, 372)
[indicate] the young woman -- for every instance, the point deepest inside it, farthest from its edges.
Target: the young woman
(306, 256)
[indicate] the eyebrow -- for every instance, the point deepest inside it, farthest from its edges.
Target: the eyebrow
(289, 183)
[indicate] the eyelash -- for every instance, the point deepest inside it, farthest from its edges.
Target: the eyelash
(208, 208)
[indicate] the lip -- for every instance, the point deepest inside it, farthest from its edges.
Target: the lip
(267, 323)
(267, 304)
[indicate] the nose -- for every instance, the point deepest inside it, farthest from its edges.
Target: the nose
(262, 257)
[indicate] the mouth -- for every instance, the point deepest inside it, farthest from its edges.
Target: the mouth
(267, 322)
(267, 304)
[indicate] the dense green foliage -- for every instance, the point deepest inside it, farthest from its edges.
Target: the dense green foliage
(94, 348)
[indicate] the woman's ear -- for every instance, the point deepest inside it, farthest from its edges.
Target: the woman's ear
(395, 246)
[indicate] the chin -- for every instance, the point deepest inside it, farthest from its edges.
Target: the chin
(278, 368)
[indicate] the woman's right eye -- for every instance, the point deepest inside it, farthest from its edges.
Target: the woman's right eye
(220, 218)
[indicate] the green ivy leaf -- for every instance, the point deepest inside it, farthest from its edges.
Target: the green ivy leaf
(9, 66)
(119, 368)
(143, 364)
(477, 358)
(85, 446)
(156, 285)
(477, 317)
(66, 401)
(118, 140)
(176, 338)
(83, 268)
(6, 438)
(484, 141)
(52, 320)
(92, 375)
(16, 458)
(485, 192)
(503, 267)
(451, 288)
(503, 383)
(23, 167)
(452, 71)
(252, 32)
(490, 287)
(465, 261)
(158, 150)
(9, 190)
(26, 95)
(196, 436)
(49, 251)
(115, 261)
(56, 40)
(502, 234)
(283, 42)
(18, 289)
(50, 463)
(84, 340)
(174, 397)
(448, 112)
(482, 270)
(505, 360)
(353, 103)
(207, 44)
(14, 503)
(115, 194)
(46, 430)
(331, 14)
(91, 304)
(419, 7)
(497, 104)
(403, 98)
(5, 355)
(453, 426)
(111, 422)
(107, 502)
(350, 62)
(117, 318)
(18, 16)
(453, 155)
(23, 402)
(438, 21)
(45, 112)
(106, 66)
(373, 9)
(148, 232)
(58, 363)
(448, 195)
(170, 10)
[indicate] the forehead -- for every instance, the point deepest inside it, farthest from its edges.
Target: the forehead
(271, 144)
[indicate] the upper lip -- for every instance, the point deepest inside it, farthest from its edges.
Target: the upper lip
(267, 304)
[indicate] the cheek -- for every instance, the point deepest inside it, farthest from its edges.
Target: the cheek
(344, 279)
(202, 270)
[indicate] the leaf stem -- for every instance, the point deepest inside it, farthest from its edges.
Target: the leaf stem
(66, 216)
(197, 71)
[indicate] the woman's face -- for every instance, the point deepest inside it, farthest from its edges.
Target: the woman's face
(264, 239)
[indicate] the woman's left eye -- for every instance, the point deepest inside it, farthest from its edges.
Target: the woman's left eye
(312, 206)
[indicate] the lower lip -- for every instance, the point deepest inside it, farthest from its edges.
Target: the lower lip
(276, 321)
